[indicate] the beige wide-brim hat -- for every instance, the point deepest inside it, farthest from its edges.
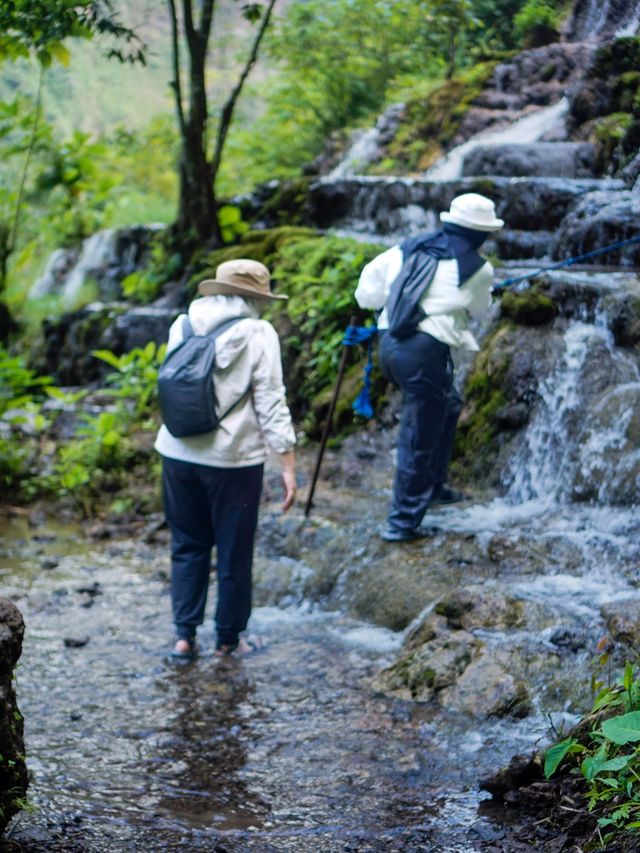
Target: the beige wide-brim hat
(472, 210)
(242, 277)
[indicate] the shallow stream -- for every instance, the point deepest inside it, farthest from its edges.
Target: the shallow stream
(292, 749)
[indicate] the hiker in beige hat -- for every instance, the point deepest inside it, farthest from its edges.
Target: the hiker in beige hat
(212, 481)
(426, 289)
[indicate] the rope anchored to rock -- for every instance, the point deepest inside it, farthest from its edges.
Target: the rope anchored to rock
(508, 282)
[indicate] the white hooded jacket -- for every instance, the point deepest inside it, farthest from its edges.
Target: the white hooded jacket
(247, 357)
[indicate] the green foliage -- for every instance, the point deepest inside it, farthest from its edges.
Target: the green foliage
(18, 383)
(319, 275)
(431, 123)
(537, 23)
(135, 377)
(42, 26)
(609, 756)
(231, 224)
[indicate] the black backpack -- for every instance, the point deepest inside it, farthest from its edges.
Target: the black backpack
(403, 305)
(185, 383)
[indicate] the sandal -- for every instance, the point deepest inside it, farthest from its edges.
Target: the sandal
(244, 646)
(189, 651)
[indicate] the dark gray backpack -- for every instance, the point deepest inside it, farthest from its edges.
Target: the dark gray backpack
(185, 383)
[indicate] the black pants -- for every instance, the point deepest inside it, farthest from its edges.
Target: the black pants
(207, 506)
(422, 367)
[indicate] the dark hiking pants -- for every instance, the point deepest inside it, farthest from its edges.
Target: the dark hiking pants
(421, 366)
(206, 506)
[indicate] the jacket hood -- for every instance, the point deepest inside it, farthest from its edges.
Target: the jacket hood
(210, 311)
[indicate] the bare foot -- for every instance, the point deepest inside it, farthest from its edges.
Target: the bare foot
(246, 646)
(184, 649)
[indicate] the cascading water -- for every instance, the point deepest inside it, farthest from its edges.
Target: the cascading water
(530, 128)
(560, 450)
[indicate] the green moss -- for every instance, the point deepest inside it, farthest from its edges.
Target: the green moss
(431, 123)
(530, 307)
(476, 436)
(611, 138)
(617, 57)
(264, 246)
(289, 203)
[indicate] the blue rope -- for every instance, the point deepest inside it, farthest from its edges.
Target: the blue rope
(360, 335)
(509, 281)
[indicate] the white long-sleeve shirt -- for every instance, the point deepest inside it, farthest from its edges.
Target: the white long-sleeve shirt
(447, 306)
(247, 354)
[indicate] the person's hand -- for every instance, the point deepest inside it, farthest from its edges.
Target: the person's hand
(290, 489)
(288, 462)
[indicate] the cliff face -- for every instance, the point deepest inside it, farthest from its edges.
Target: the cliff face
(13, 770)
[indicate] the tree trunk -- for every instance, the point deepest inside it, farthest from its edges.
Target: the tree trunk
(197, 220)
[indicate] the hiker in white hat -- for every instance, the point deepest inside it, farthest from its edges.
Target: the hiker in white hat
(426, 289)
(212, 480)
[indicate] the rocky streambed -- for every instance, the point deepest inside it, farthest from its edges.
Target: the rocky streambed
(393, 680)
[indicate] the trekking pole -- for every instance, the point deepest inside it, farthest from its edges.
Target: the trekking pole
(327, 426)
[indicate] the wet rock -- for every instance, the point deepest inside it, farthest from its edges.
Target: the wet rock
(608, 468)
(568, 638)
(13, 771)
(622, 619)
(588, 19)
(522, 245)
(522, 770)
(474, 607)
(487, 688)
(599, 219)
(50, 563)
(76, 642)
(551, 159)
(424, 672)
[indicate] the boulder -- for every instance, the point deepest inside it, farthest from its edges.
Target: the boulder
(13, 771)
(487, 688)
(598, 219)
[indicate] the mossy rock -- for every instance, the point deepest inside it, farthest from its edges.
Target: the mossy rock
(263, 246)
(530, 307)
(617, 57)
(431, 123)
(288, 205)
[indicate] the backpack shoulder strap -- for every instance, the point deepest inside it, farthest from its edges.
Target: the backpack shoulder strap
(187, 328)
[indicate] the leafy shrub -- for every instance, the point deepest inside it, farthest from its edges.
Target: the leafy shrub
(537, 23)
(135, 377)
(608, 755)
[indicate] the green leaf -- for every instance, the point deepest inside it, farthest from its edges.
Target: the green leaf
(623, 729)
(555, 754)
(627, 679)
(107, 356)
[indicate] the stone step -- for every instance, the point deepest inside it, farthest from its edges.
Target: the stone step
(539, 159)
(402, 206)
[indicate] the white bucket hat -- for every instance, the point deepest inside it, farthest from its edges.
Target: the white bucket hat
(473, 211)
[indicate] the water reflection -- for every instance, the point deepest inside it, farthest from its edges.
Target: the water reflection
(194, 770)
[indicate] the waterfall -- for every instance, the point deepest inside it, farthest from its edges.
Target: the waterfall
(97, 253)
(570, 441)
(366, 144)
(528, 129)
(358, 155)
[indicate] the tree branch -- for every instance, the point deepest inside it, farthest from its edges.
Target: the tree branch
(23, 179)
(227, 110)
(176, 84)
